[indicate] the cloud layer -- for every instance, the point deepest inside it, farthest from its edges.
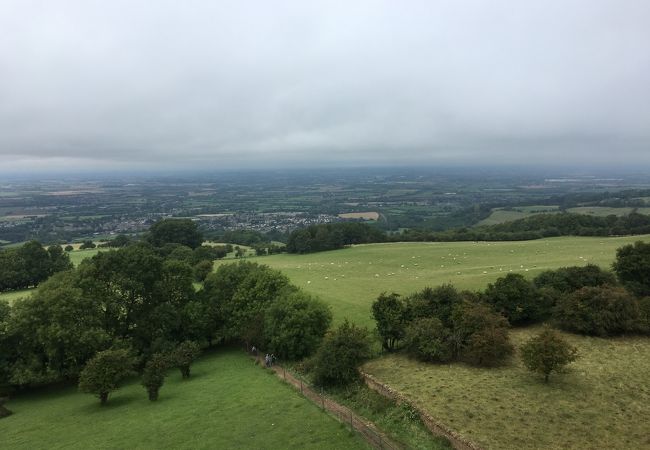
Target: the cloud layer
(231, 84)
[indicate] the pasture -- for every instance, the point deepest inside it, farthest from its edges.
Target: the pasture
(227, 403)
(602, 402)
(349, 280)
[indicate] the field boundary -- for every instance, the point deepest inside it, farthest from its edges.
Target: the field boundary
(368, 430)
(435, 426)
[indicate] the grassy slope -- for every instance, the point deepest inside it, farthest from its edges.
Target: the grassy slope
(351, 285)
(603, 402)
(228, 403)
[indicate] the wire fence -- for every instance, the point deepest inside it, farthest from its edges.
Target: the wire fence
(367, 430)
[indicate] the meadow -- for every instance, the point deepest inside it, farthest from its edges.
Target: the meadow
(603, 401)
(349, 280)
(227, 403)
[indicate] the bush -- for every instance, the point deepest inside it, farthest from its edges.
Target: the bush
(68, 248)
(438, 302)
(104, 372)
(341, 352)
(153, 376)
(570, 279)
(632, 266)
(87, 245)
(184, 355)
(600, 311)
(547, 352)
(428, 340)
(202, 269)
(294, 325)
(514, 297)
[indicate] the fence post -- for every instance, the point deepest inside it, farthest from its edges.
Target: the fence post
(284, 372)
(322, 399)
(301, 385)
(351, 425)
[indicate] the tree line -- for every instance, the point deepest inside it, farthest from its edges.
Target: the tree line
(29, 264)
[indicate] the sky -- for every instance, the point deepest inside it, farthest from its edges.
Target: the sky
(254, 84)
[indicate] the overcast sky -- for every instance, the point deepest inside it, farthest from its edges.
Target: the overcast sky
(230, 84)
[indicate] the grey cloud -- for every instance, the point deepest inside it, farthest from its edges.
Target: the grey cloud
(245, 83)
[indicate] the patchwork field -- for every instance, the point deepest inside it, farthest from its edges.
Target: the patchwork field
(351, 279)
(602, 402)
(227, 403)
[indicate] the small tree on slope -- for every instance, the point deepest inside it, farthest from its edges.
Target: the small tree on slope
(547, 352)
(104, 372)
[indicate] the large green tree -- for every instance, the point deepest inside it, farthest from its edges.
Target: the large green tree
(390, 314)
(514, 297)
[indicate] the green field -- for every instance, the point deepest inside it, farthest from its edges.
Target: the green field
(603, 402)
(604, 211)
(499, 215)
(227, 403)
(351, 279)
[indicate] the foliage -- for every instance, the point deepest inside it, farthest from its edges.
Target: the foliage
(427, 339)
(570, 279)
(632, 266)
(516, 298)
(179, 231)
(68, 248)
(104, 372)
(30, 264)
(437, 302)
(547, 352)
(600, 311)
(87, 245)
(184, 355)
(202, 269)
(481, 335)
(331, 236)
(294, 325)
(341, 352)
(59, 327)
(390, 313)
(154, 373)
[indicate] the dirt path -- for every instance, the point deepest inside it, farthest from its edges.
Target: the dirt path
(366, 429)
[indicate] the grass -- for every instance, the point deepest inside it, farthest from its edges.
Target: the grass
(602, 402)
(227, 403)
(349, 280)
(603, 211)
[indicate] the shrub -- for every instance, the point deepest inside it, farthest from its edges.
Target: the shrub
(632, 266)
(104, 372)
(438, 302)
(341, 352)
(428, 340)
(153, 376)
(87, 245)
(514, 297)
(600, 311)
(202, 269)
(570, 279)
(547, 352)
(68, 248)
(184, 355)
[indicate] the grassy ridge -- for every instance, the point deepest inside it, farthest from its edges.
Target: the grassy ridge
(351, 279)
(228, 403)
(602, 402)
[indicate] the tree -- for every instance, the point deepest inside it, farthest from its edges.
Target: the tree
(87, 245)
(390, 312)
(427, 339)
(60, 329)
(600, 311)
(438, 302)
(179, 231)
(570, 279)
(202, 269)
(105, 371)
(632, 266)
(69, 248)
(341, 352)
(547, 352)
(480, 335)
(514, 297)
(153, 376)
(294, 325)
(184, 355)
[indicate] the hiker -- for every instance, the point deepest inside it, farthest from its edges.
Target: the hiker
(254, 350)
(272, 359)
(267, 360)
